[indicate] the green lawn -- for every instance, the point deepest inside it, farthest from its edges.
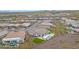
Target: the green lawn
(38, 40)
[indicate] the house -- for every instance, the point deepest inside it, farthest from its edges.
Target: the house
(14, 37)
(46, 23)
(75, 27)
(47, 36)
(72, 24)
(41, 33)
(3, 24)
(3, 33)
(36, 31)
(26, 24)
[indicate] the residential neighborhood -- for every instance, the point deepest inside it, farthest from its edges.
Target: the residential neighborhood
(39, 30)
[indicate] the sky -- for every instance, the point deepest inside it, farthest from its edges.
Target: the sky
(39, 4)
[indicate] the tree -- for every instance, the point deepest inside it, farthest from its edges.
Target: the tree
(59, 29)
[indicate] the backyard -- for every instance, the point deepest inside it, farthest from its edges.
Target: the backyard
(38, 40)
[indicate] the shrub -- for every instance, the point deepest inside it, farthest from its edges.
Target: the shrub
(38, 40)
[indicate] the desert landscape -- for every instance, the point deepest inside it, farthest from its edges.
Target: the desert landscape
(46, 29)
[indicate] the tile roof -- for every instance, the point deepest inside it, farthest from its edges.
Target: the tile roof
(12, 34)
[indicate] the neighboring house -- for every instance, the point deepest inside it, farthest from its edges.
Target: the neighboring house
(41, 33)
(75, 27)
(46, 24)
(3, 24)
(14, 37)
(3, 33)
(71, 24)
(26, 24)
(41, 30)
(47, 36)
(35, 31)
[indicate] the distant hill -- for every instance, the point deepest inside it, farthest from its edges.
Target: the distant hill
(36, 11)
